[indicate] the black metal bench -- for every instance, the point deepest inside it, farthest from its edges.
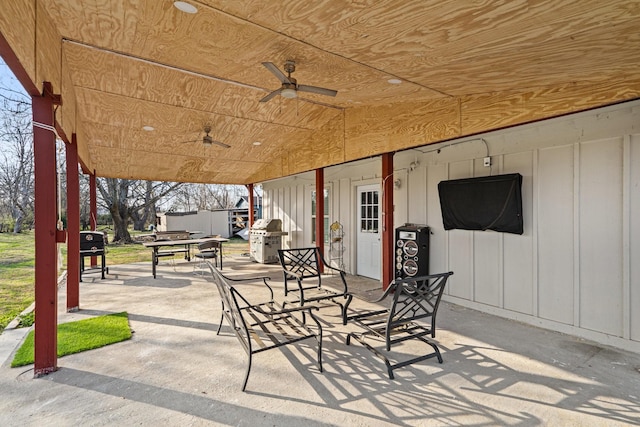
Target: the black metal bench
(263, 326)
(412, 315)
(303, 266)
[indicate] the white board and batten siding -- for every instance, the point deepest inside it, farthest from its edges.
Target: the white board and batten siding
(576, 268)
(289, 199)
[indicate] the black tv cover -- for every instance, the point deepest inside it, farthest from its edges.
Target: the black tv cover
(484, 203)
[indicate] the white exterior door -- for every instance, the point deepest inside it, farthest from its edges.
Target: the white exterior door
(368, 226)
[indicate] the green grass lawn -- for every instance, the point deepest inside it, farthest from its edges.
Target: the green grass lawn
(81, 335)
(17, 261)
(17, 267)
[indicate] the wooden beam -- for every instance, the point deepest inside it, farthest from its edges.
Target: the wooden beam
(16, 67)
(93, 211)
(46, 292)
(251, 203)
(251, 212)
(73, 226)
(320, 212)
(387, 220)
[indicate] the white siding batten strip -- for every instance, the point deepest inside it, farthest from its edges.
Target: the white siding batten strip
(535, 291)
(576, 234)
(626, 233)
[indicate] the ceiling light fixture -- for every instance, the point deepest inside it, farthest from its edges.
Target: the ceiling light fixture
(257, 143)
(394, 81)
(148, 128)
(185, 7)
(289, 93)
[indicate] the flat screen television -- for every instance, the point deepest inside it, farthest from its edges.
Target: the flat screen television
(483, 203)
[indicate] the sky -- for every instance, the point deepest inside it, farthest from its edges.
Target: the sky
(8, 80)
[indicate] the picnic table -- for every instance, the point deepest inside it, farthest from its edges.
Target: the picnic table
(176, 246)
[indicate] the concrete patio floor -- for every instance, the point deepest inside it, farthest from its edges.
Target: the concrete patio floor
(177, 371)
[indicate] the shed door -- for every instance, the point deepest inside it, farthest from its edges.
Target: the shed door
(368, 239)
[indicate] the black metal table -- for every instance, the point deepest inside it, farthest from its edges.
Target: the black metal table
(186, 243)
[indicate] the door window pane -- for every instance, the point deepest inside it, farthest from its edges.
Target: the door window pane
(369, 212)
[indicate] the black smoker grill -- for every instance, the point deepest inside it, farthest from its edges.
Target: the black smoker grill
(265, 238)
(92, 244)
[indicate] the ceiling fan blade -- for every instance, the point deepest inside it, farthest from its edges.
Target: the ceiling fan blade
(271, 95)
(276, 71)
(221, 144)
(318, 90)
(188, 142)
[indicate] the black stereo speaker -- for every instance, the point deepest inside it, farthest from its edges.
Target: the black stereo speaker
(412, 251)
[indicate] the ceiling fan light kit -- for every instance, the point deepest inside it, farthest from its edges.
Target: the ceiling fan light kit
(289, 93)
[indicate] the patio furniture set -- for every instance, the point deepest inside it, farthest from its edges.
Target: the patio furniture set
(162, 243)
(178, 242)
(264, 325)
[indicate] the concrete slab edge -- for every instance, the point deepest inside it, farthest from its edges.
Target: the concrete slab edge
(12, 337)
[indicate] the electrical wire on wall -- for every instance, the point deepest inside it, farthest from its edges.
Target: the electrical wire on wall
(439, 148)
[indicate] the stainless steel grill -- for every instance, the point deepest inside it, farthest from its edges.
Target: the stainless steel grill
(265, 238)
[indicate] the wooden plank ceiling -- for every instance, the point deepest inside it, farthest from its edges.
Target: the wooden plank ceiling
(464, 67)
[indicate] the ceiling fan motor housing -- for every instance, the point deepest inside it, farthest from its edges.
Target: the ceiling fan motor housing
(290, 66)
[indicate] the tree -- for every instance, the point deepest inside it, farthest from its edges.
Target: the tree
(126, 199)
(192, 197)
(16, 158)
(141, 216)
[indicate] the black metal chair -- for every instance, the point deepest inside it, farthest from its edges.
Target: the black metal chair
(302, 265)
(209, 250)
(92, 243)
(412, 315)
(263, 326)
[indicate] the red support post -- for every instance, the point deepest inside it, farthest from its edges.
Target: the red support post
(46, 292)
(320, 212)
(387, 220)
(251, 211)
(252, 216)
(93, 211)
(73, 226)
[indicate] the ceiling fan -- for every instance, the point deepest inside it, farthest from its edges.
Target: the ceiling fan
(290, 86)
(208, 140)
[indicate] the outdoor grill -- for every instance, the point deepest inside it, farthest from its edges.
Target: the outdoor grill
(265, 238)
(92, 244)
